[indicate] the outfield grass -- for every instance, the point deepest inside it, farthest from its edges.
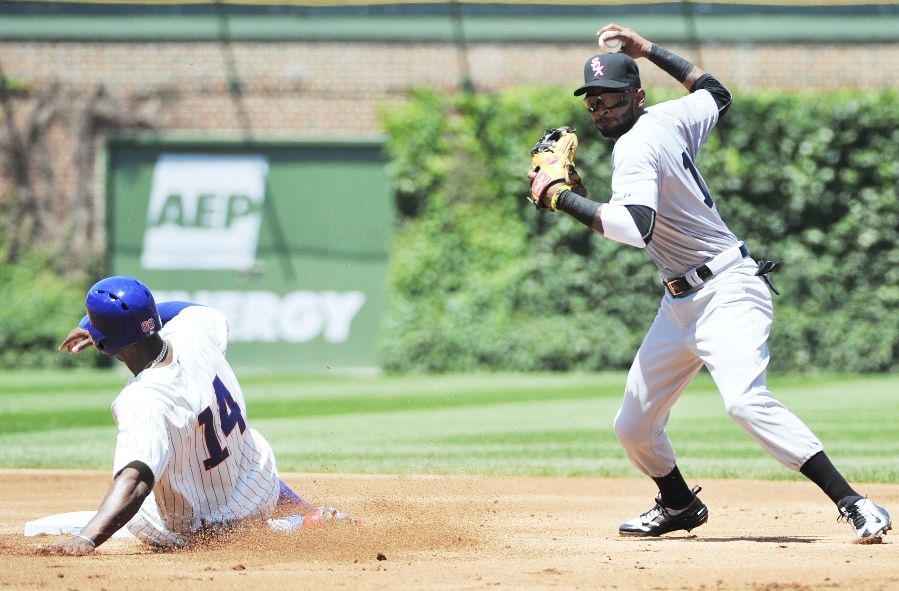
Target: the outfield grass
(541, 424)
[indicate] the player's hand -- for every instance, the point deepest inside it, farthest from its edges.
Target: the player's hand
(73, 546)
(632, 43)
(546, 197)
(77, 341)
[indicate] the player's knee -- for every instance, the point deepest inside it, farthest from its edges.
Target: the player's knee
(627, 432)
(739, 410)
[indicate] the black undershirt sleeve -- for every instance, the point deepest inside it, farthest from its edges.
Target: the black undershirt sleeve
(716, 89)
(645, 218)
(146, 475)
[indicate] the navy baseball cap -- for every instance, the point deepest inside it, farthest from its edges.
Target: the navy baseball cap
(614, 71)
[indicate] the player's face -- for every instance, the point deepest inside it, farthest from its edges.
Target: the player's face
(614, 112)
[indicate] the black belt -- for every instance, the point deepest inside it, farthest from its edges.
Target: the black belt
(679, 286)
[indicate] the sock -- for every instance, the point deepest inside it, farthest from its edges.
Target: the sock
(674, 490)
(819, 470)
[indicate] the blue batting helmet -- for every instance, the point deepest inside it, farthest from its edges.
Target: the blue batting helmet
(122, 312)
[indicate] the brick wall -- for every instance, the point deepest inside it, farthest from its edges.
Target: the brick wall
(295, 89)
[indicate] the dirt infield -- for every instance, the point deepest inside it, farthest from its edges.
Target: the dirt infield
(472, 533)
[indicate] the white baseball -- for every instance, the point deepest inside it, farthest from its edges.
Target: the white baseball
(609, 45)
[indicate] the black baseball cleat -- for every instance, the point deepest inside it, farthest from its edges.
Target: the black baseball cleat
(868, 519)
(661, 520)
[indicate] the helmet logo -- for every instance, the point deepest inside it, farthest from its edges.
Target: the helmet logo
(148, 325)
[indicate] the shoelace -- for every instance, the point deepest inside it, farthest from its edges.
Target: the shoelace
(853, 515)
(660, 509)
(656, 511)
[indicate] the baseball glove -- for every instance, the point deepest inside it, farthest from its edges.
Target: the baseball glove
(552, 167)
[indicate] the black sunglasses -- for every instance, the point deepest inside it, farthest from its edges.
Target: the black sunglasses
(608, 100)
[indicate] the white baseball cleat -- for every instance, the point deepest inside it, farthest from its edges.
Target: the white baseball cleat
(867, 517)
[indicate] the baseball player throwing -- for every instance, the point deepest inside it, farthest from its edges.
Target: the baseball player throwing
(717, 308)
(186, 460)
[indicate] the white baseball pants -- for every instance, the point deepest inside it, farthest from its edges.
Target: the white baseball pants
(724, 326)
(149, 526)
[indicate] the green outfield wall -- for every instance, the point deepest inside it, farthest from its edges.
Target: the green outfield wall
(290, 240)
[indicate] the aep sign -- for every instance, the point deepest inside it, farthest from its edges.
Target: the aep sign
(301, 279)
(204, 212)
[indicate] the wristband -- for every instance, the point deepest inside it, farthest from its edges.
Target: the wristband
(554, 202)
(87, 539)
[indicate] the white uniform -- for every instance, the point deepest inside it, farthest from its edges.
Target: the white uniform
(723, 323)
(187, 422)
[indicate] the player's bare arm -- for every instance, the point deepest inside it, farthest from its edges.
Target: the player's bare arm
(123, 499)
(76, 341)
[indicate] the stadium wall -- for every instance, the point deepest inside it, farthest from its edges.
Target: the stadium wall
(303, 89)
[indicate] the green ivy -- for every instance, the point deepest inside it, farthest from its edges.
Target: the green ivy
(480, 280)
(39, 308)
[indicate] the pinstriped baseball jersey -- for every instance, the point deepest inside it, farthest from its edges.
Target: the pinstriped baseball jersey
(654, 165)
(187, 421)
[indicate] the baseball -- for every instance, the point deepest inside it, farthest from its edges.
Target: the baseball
(609, 45)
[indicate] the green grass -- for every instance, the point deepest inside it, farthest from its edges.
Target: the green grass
(528, 424)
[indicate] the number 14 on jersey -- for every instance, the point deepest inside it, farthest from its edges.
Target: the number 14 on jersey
(230, 416)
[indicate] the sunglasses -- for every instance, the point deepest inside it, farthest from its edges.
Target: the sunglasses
(606, 100)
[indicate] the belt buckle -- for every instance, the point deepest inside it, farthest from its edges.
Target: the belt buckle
(672, 286)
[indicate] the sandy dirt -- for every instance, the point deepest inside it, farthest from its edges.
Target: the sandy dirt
(471, 533)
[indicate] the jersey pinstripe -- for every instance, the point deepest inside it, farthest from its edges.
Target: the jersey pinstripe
(187, 422)
(654, 165)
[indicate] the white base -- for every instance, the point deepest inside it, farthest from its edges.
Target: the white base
(66, 523)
